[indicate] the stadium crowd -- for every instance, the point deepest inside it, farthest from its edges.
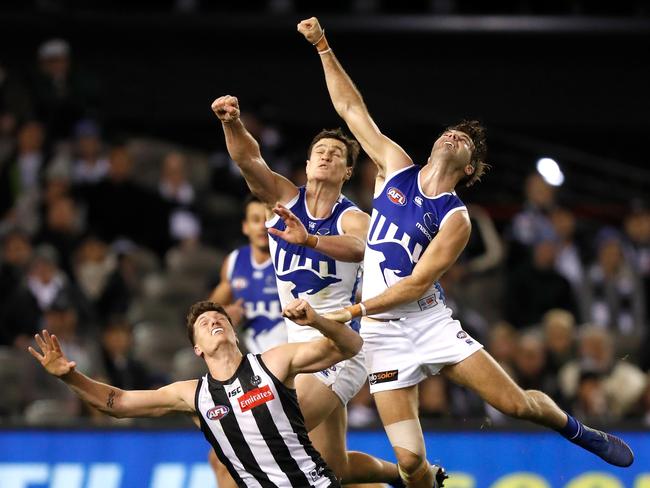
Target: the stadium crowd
(105, 241)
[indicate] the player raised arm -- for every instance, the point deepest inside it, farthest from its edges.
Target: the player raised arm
(348, 247)
(387, 155)
(340, 343)
(174, 398)
(439, 256)
(267, 185)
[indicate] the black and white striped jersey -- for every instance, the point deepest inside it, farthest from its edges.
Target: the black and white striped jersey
(255, 425)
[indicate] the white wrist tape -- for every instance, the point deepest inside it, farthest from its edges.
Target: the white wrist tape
(364, 312)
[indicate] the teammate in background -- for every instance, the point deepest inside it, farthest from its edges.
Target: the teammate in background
(320, 266)
(248, 288)
(409, 333)
(245, 405)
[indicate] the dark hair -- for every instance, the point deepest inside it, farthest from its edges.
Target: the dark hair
(250, 198)
(197, 310)
(476, 132)
(351, 144)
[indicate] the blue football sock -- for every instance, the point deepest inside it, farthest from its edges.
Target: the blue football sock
(606, 446)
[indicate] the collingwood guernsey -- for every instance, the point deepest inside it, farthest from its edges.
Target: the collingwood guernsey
(257, 430)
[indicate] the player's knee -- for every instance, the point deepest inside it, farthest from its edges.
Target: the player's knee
(408, 461)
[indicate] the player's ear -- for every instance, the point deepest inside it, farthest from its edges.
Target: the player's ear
(197, 351)
(469, 170)
(348, 173)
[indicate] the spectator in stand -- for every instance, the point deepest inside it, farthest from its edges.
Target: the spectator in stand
(614, 294)
(97, 272)
(623, 382)
(637, 230)
(21, 177)
(23, 311)
(62, 94)
(530, 366)
(16, 257)
(91, 164)
(176, 189)
(532, 224)
(535, 289)
(501, 344)
(174, 185)
(119, 366)
(559, 334)
(61, 319)
(62, 229)
(118, 207)
(591, 402)
(570, 255)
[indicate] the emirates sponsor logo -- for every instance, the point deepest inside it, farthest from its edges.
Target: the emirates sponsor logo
(255, 398)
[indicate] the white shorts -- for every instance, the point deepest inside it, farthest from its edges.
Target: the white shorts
(345, 378)
(402, 353)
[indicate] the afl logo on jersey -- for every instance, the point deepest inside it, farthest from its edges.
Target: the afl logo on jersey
(239, 283)
(396, 196)
(217, 413)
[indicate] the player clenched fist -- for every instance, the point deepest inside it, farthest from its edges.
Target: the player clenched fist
(226, 108)
(314, 33)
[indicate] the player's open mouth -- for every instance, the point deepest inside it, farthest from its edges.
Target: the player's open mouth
(450, 144)
(216, 330)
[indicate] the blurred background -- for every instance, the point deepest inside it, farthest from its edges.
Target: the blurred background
(118, 200)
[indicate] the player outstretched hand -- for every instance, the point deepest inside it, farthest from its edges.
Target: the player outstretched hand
(52, 359)
(226, 108)
(294, 232)
(300, 312)
(311, 29)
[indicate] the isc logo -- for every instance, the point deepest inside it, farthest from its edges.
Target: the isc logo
(396, 196)
(234, 392)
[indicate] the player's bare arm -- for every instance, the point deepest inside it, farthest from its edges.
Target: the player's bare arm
(267, 185)
(174, 398)
(348, 247)
(439, 256)
(222, 294)
(348, 103)
(340, 343)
